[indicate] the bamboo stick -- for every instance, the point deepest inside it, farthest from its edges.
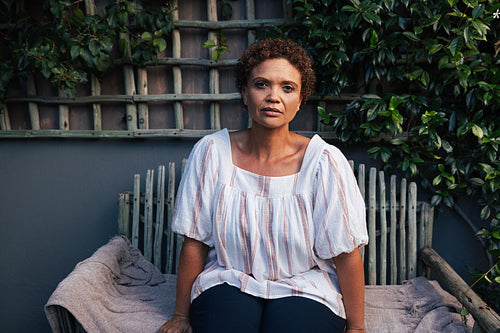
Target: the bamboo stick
(129, 85)
(142, 76)
(5, 119)
(250, 6)
(383, 230)
(176, 70)
(402, 231)
(170, 212)
(232, 24)
(136, 210)
(112, 134)
(95, 84)
(32, 107)
(362, 187)
(148, 216)
(124, 214)
(412, 231)
(393, 231)
(160, 215)
(214, 73)
(487, 319)
(63, 113)
(372, 231)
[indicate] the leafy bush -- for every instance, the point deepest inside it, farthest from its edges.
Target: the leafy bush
(64, 44)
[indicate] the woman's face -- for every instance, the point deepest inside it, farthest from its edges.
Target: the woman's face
(272, 93)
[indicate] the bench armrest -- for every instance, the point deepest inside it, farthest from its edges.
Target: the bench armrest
(487, 319)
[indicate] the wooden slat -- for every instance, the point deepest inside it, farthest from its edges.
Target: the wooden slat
(232, 24)
(63, 113)
(383, 230)
(136, 210)
(32, 106)
(214, 72)
(4, 119)
(148, 216)
(160, 214)
(176, 70)
(142, 76)
(124, 214)
(250, 7)
(393, 231)
(488, 319)
(402, 231)
(170, 212)
(95, 84)
(372, 229)
(179, 239)
(412, 231)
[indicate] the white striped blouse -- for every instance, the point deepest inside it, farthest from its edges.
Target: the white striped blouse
(271, 237)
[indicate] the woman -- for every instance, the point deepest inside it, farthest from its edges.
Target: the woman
(272, 220)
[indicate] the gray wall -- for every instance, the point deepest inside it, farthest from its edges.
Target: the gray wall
(58, 204)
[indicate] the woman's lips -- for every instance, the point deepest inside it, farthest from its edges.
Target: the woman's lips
(271, 111)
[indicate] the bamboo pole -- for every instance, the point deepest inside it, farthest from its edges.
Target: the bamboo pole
(170, 212)
(487, 319)
(33, 107)
(402, 231)
(214, 72)
(393, 230)
(383, 230)
(148, 216)
(4, 119)
(412, 231)
(250, 6)
(232, 24)
(63, 113)
(95, 84)
(176, 70)
(142, 76)
(136, 210)
(372, 229)
(160, 216)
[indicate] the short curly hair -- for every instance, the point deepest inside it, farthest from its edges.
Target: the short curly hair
(272, 49)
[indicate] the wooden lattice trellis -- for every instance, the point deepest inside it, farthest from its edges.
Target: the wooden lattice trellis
(137, 100)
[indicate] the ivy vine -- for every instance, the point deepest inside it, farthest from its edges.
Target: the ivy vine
(64, 44)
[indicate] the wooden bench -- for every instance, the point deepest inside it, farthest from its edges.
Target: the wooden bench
(399, 227)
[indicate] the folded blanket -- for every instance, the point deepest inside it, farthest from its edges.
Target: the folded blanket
(115, 290)
(416, 306)
(118, 290)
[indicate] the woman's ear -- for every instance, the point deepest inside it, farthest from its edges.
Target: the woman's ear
(244, 95)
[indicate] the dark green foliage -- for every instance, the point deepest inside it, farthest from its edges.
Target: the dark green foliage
(64, 44)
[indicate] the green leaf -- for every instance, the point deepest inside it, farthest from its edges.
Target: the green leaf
(146, 36)
(94, 47)
(455, 46)
(209, 44)
(478, 131)
(464, 312)
(411, 36)
(161, 44)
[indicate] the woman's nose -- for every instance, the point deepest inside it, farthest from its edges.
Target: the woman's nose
(273, 95)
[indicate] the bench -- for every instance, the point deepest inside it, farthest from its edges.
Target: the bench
(399, 226)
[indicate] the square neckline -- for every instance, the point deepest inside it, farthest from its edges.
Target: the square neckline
(305, 158)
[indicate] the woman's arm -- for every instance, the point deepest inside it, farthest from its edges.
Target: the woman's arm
(191, 263)
(352, 285)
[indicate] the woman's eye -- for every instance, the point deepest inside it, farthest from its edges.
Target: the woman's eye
(288, 88)
(260, 84)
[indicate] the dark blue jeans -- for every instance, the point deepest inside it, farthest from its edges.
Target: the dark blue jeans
(225, 309)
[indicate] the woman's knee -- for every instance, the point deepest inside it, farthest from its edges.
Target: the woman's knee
(299, 314)
(226, 309)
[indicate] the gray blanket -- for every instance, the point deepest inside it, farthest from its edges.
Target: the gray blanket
(118, 290)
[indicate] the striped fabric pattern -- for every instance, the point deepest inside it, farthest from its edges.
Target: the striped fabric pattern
(271, 236)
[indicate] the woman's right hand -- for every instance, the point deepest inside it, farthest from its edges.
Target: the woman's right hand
(178, 324)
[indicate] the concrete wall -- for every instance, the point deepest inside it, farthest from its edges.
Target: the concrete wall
(58, 204)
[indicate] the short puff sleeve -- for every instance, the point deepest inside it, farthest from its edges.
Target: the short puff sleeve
(339, 212)
(193, 208)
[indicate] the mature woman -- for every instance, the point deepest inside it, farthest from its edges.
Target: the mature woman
(272, 220)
